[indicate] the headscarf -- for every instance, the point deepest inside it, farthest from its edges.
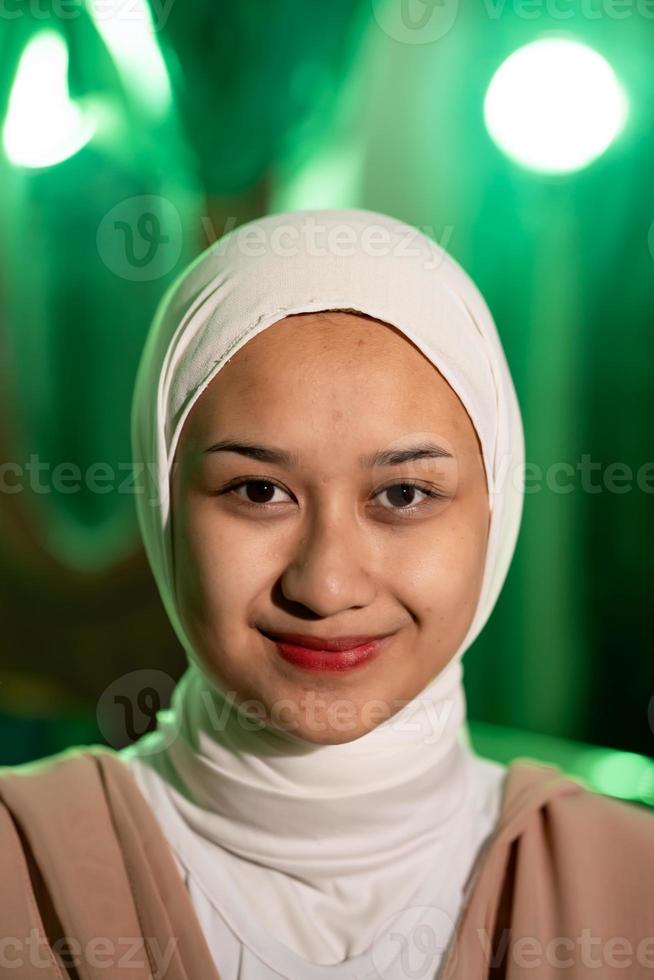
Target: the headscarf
(326, 841)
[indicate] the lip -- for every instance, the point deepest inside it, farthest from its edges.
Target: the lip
(323, 642)
(322, 653)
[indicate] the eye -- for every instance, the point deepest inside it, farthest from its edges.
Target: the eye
(406, 497)
(402, 496)
(258, 492)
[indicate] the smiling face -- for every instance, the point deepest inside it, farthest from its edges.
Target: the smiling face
(316, 541)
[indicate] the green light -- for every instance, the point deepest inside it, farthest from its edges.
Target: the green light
(43, 126)
(617, 773)
(130, 39)
(554, 105)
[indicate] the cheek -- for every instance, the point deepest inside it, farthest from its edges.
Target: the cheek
(218, 570)
(441, 576)
(199, 564)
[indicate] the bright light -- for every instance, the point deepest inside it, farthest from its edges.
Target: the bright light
(554, 105)
(43, 126)
(129, 36)
(623, 774)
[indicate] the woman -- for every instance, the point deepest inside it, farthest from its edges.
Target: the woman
(330, 453)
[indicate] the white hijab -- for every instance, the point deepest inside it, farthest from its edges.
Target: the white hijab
(325, 841)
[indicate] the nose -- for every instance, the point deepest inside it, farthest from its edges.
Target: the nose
(329, 570)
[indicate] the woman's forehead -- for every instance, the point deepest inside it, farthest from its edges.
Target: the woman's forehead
(339, 325)
(318, 346)
(374, 394)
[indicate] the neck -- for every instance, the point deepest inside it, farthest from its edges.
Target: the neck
(259, 792)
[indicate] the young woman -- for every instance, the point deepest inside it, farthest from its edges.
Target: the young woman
(330, 451)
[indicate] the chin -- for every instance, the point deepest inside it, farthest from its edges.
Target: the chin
(330, 736)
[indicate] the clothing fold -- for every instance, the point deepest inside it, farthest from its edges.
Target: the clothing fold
(547, 858)
(107, 869)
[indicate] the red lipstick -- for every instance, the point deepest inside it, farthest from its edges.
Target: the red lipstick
(323, 653)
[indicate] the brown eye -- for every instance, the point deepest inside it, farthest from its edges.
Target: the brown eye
(402, 496)
(257, 491)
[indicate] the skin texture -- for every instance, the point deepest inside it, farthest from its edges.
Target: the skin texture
(334, 548)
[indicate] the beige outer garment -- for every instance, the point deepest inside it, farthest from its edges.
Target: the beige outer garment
(563, 888)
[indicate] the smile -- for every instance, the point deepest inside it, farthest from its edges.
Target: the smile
(336, 654)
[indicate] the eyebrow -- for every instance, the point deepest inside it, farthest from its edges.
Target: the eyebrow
(385, 457)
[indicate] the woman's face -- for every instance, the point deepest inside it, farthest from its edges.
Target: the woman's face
(322, 543)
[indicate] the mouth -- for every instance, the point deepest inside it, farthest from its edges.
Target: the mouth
(322, 653)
